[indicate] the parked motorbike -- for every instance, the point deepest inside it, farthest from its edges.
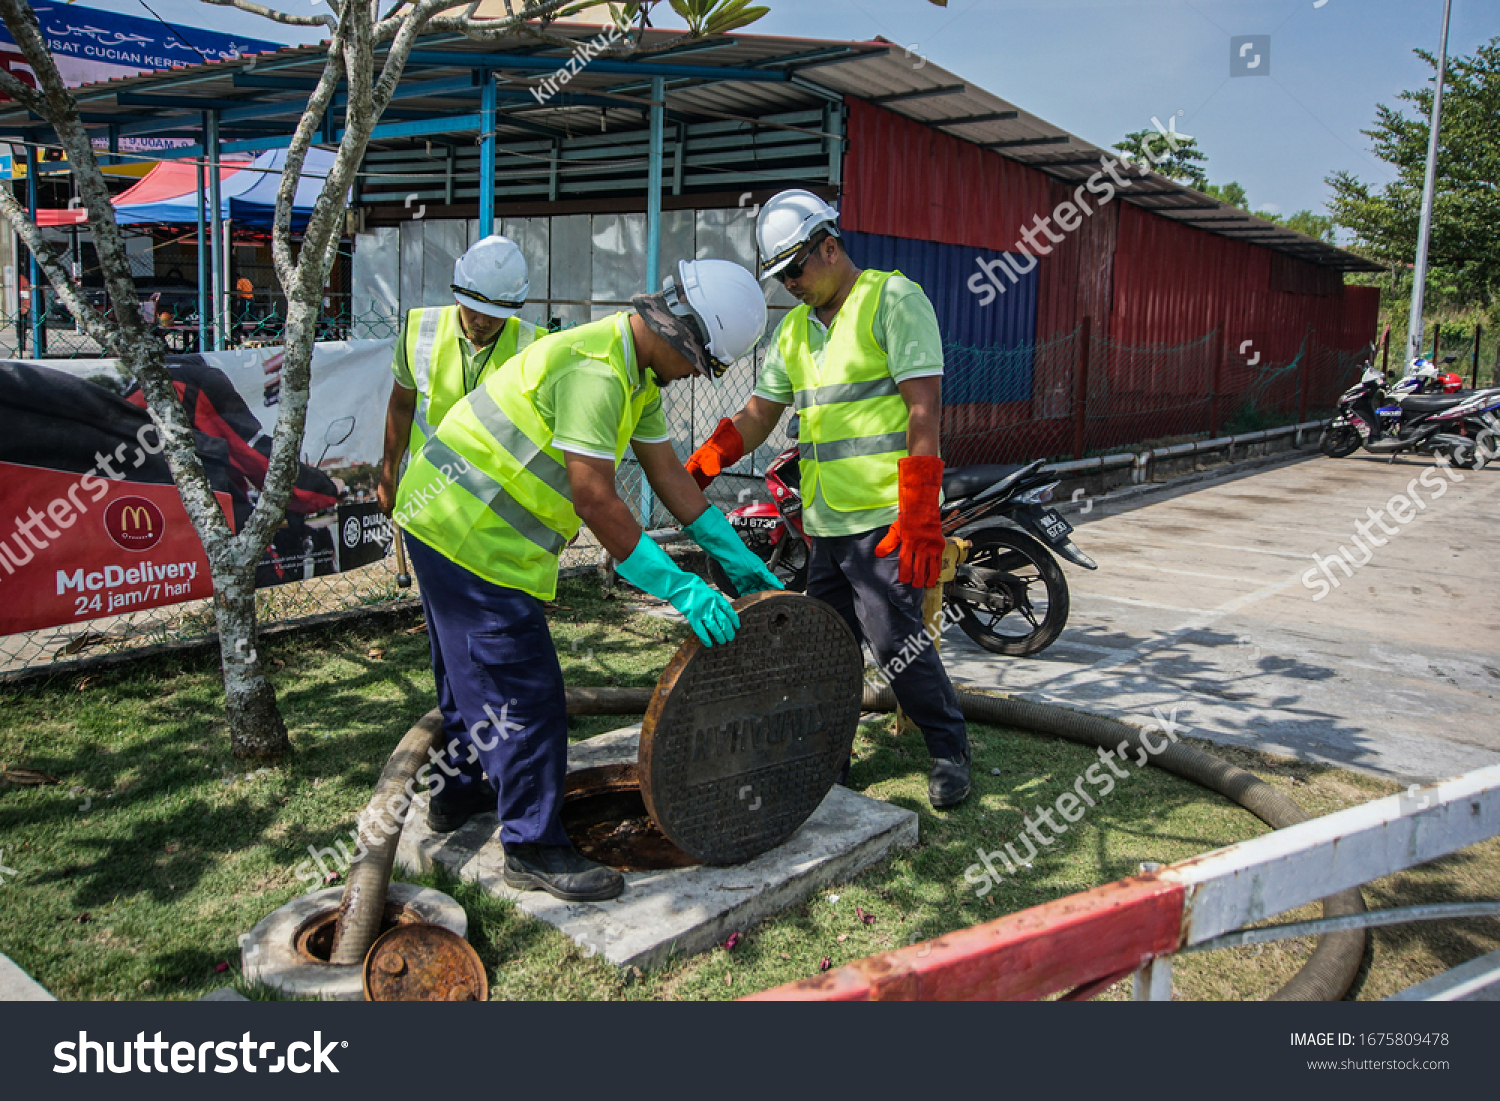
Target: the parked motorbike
(1010, 597)
(1409, 417)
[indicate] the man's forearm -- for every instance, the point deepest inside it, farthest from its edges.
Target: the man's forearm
(923, 434)
(672, 484)
(756, 421)
(399, 413)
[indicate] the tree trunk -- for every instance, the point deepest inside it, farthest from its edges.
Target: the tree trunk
(256, 730)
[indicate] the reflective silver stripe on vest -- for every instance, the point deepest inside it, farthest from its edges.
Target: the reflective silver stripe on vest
(846, 391)
(851, 449)
(492, 495)
(426, 337)
(518, 444)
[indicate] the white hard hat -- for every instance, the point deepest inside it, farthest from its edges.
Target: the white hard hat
(788, 222)
(727, 304)
(491, 278)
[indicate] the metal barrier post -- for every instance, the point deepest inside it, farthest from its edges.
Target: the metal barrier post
(653, 235)
(38, 322)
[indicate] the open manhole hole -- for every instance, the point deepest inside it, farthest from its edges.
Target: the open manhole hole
(315, 938)
(605, 817)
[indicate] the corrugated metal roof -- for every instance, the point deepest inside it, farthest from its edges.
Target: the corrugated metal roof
(742, 77)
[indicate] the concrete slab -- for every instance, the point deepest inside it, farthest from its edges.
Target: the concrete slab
(683, 911)
(224, 994)
(1209, 600)
(17, 986)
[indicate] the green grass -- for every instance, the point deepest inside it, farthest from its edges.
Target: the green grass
(144, 893)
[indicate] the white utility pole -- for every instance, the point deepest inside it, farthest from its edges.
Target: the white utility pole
(1419, 276)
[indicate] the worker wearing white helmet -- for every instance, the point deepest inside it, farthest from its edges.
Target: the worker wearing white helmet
(862, 361)
(499, 489)
(443, 352)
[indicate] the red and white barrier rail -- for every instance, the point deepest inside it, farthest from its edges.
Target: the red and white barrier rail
(1088, 941)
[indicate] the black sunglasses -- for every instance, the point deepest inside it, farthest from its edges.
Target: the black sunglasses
(794, 269)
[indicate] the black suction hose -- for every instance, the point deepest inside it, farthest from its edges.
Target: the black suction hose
(1328, 974)
(1325, 977)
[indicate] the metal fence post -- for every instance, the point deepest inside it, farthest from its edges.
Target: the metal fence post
(1081, 388)
(1478, 332)
(38, 320)
(653, 235)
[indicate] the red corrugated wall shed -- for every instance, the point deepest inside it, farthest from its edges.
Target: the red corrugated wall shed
(1140, 278)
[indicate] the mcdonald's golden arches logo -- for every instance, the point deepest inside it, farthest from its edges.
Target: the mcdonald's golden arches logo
(134, 523)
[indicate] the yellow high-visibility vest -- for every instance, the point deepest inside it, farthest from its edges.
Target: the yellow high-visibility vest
(488, 490)
(853, 420)
(437, 363)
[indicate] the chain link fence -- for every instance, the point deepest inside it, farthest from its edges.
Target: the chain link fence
(1072, 396)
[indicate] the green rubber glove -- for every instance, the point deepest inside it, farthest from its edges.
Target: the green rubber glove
(650, 569)
(712, 532)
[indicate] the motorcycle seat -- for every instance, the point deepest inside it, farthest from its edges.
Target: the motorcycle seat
(965, 481)
(1430, 403)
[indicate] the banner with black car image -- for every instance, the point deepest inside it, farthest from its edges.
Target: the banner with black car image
(91, 523)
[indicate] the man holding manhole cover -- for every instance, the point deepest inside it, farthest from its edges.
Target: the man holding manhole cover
(862, 360)
(497, 491)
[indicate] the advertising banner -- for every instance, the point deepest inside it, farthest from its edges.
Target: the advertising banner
(90, 45)
(91, 524)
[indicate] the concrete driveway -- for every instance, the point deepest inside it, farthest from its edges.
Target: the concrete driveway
(1211, 600)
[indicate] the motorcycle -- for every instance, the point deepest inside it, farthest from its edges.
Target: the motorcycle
(1010, 596)
(1409, 417)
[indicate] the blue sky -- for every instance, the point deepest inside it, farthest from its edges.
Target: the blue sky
(1102, 68)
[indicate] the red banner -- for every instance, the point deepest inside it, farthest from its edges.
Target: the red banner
(79, 547)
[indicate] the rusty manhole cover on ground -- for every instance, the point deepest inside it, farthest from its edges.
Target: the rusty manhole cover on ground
(742, 742)
(423, 963)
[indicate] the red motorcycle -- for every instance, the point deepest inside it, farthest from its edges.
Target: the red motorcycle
(1010, 596)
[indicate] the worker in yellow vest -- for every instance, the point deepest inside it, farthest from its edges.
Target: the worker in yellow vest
(443, 352)
(501, 485)
(862, 361)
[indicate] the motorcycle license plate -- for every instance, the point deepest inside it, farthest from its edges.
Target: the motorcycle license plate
(1055, 527)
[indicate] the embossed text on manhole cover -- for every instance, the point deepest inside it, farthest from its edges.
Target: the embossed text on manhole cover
(742, 742)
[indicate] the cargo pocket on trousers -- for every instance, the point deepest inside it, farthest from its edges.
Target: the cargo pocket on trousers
(527, 642)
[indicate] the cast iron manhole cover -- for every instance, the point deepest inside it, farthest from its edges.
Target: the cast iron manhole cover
(742, 742)
(423, 963)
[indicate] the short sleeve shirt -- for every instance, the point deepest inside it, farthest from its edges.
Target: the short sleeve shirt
(584, 404)
(476, 360)
(906, 328)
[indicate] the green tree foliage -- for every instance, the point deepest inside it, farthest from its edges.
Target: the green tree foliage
(1464, 249)
(1305, 222)
(1177, 158)
(705, 17)
(1231, 193)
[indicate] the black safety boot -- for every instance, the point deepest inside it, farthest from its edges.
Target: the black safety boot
(446, 814)
(562, 872)
(948, 782)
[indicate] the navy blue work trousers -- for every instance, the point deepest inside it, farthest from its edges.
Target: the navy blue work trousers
(885, 613)
(500, 689)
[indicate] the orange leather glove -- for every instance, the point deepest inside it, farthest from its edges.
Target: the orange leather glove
(918, 529)
(724, 448)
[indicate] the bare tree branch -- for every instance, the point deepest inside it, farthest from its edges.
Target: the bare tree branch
(27, 97)
(277, 16)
